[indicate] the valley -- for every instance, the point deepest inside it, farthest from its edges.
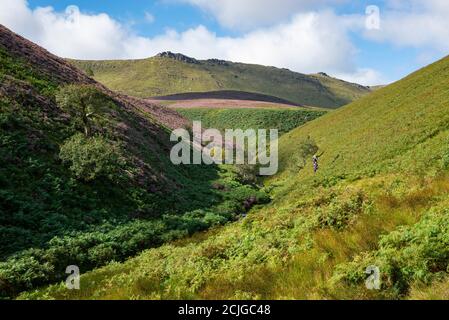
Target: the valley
(100, 191)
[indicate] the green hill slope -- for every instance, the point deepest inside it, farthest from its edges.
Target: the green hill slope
(170, 74)
(379, 199)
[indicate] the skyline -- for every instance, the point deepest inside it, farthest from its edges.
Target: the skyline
(305, 36)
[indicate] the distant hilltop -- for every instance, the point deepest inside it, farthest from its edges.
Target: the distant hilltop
(170, 73)
(177, 56)
(183, 58)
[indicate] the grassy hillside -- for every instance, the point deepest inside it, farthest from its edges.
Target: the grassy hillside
(260, 118)
(379, 199)
(161, 75)
(52, 216)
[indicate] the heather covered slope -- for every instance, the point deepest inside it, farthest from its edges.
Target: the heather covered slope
(51, 216)
(168, 74)
(379, 199)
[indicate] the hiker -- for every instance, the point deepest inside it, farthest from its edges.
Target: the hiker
(315, 159)
(315, 163)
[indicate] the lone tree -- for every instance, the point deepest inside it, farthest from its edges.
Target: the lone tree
(83, 102)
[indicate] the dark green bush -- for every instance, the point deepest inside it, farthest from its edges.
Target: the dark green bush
(93, 157)
(341, 213)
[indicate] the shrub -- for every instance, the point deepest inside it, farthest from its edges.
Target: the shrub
(102, 254)
(247, 173)
(339, 214)
(26, 271)
(93, 157)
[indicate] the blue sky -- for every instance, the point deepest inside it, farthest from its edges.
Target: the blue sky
(179, 16)
(302, 35)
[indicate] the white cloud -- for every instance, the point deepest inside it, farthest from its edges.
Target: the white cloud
(249, 14)
(68, 34)
(414, 23)
(406, 23)
(309, 42)
(364, 76)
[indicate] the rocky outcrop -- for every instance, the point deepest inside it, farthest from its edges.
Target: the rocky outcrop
(177, 57)
(218, 62)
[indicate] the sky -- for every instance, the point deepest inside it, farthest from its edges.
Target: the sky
(368, 42)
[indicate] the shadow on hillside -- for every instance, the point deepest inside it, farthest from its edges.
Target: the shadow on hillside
(225, 95)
